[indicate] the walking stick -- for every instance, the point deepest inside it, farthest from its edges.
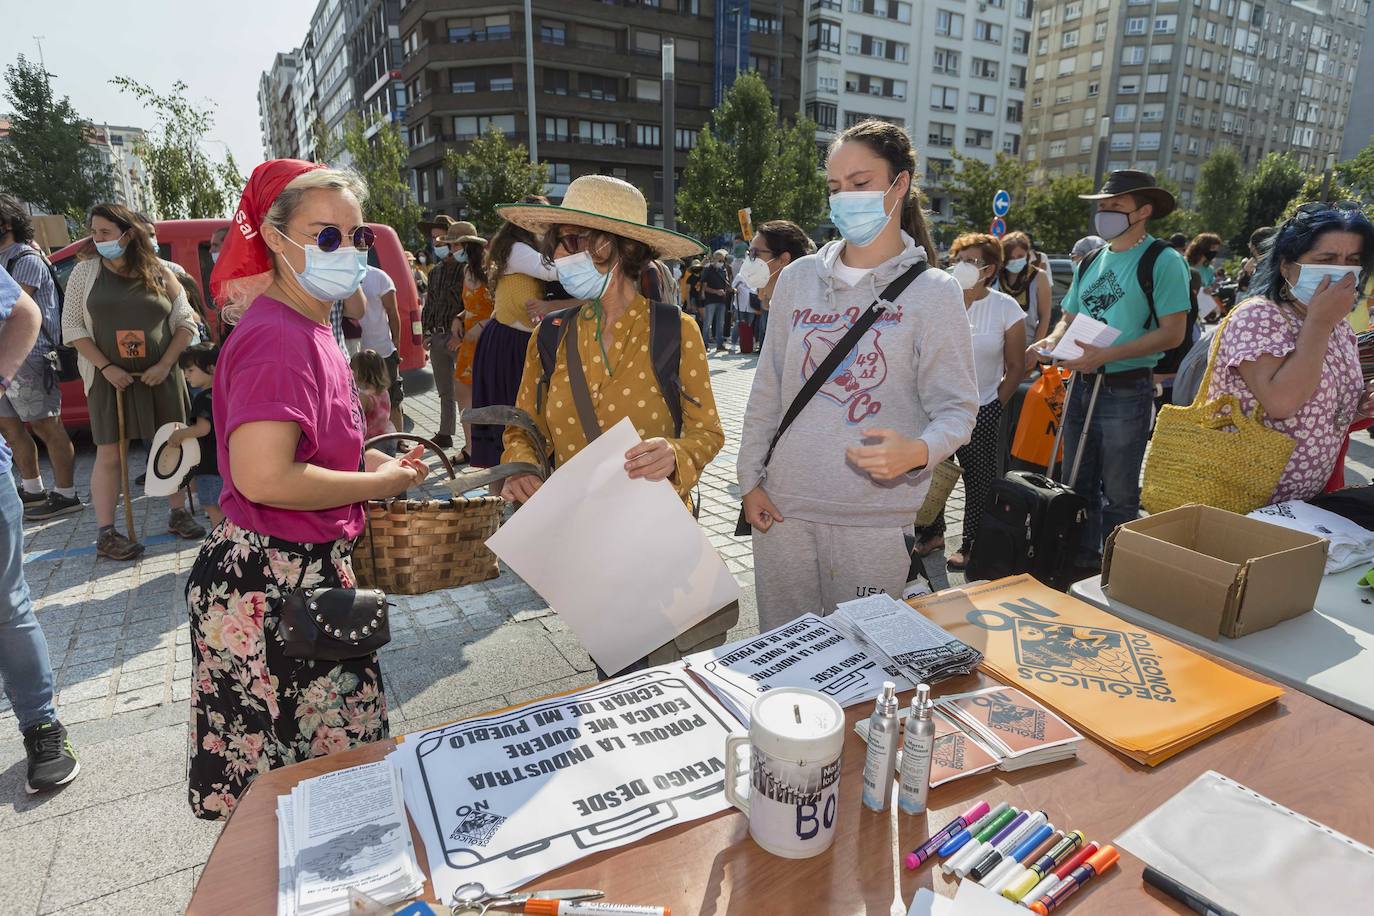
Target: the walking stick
(124, 463)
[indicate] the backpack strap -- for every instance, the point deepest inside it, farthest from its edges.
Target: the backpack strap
(665, 347)
(577, 381)
(548, 338)
(1145, 276)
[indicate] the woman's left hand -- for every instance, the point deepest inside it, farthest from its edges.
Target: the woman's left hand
(652, 459)
(892, 456)
(155, 374)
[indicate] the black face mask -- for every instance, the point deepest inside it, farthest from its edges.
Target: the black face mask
(1211, 254)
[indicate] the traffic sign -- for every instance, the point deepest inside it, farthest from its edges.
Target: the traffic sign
(998, 227)
(1001, 203)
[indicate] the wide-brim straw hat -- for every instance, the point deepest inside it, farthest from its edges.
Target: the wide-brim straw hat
(1141, 184)
(608, 204)
(460, 232)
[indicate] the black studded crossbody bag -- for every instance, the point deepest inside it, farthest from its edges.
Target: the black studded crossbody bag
(334, 624)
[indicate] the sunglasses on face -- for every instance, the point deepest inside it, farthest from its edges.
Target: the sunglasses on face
(572, 242)
(331, 237)
(757, 253)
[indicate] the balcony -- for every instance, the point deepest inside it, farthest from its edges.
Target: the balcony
(442, 53)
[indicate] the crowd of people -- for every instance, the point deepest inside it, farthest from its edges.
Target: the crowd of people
(581, 315)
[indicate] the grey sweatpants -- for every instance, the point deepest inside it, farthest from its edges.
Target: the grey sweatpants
(804, 567)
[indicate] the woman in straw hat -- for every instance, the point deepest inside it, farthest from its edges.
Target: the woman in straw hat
(599, 242)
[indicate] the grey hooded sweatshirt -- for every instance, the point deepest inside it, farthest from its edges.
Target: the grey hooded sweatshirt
(911, 372)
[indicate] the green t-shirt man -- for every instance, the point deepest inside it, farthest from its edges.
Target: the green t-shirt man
(1109, 291)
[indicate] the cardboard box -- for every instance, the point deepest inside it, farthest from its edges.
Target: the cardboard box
(1213, 572)
(51, 232)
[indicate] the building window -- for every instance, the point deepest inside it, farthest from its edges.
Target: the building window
(1100, 31)
(1011, 144)
(1015, 111)
(984, 69)
(982, 103)
(824, 36)
(463, 81)
(1093, 89)
(864, 84)
(978, 139)
(1135, 25)
(1133, 54)
(1073, 10)
(987, 31)
(1067, 65)
(556, 129)
(1149, 140)
(1020, 41)
(938, 170)
(888, 9)
(944, 98)
(1166, 25)
(599, 133)
(479, 28)
(469, 127)
(1060, 121)
(1018, 77)
(1058, 148)
(648, 135)
(1161, 54)
(1157, 82)
(1123, 114)
(555, 81)
(1122, 141)
(868, 46)
(1128, 85)
(1069, 39)
(949, 25)
(940, 135)
(560, 172)
(823, 113)
(1095, 60)
(553, 33)
(1085, 143)
(685, 138)
(1154, 111)
(592, 86)
(946, 61)
(500, 79)
(648, 90)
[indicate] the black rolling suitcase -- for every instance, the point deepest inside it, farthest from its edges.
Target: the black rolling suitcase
(1033, 523)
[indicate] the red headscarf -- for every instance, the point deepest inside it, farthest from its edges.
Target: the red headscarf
(244, 253)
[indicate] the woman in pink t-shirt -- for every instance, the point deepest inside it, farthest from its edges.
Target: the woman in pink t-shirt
(295, 483)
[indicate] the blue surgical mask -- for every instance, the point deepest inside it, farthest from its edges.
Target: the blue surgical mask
(860, 215)
(579, 276)
(330, 275)
(461, 257)
(1310, 277)
(111, 250)
(441, 251)
(1016, 265)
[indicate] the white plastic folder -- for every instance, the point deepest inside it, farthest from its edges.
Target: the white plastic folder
(621, 561)
(1252, 855)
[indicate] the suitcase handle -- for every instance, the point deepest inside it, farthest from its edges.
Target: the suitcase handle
(1083, 436)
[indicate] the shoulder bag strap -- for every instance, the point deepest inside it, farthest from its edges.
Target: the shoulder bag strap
(665, 346)
(577, 381)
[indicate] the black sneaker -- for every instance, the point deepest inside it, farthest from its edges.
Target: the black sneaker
(32, 499)
(443, 440)
(56, 504)
(52, 762)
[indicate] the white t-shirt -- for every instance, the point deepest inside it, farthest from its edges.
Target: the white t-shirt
(851, 275)
(742, 292)
(376, 328)
(989, 319)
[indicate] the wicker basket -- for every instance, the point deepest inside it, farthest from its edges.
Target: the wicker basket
(412, 546)
(942, 481)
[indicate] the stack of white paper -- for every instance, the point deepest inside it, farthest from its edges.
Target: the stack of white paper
(921, 650)
(342, 830)
(808, 652)
(1085, 330)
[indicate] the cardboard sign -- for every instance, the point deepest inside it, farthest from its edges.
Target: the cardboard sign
(132, 344)
(1134, 690)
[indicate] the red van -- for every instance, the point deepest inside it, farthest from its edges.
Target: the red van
(187, 242)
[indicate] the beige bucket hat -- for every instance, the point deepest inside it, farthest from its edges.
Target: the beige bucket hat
(461, 231)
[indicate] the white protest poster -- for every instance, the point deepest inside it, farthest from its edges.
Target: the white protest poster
(503, 798)
(621, 561)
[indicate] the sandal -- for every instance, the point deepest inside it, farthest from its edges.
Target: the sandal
(116, 546)
(927, 547)
(957, 562)
(461, 458)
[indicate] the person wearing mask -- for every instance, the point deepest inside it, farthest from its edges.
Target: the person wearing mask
(776, 244)
(442, 321)
(997, 326)
(1201, 256)
(381, 326)
(476, 315)
(1290, 349)
(1259, 245)
(691, 293)
(32, 404)
(1179, 242)
(715, 295)
(1026, 283)
(1040, 260)
(289, 431)
(126, 314)
(25, 666)
(832, 508)
(599, 241)
(1086, 246)
(1108, 288)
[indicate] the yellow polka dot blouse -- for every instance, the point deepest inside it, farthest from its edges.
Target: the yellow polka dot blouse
(627, 388)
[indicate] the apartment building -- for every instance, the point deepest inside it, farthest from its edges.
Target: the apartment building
(952, 72)
(276, 106)
(1159, 85)
(1359, 126)
(596, 98)
(131, 183)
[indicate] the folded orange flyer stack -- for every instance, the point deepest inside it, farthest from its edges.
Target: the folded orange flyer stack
(1131, 689)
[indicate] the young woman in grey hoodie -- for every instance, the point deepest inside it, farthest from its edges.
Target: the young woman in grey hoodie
(832, 507)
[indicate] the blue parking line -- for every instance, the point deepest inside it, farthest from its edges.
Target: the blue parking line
(50, 555)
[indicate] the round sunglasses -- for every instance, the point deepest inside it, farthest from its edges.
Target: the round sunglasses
(331, 237)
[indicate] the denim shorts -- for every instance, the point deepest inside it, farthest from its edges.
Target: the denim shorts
(208, 487)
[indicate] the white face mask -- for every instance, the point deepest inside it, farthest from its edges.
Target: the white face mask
(967, 274)
(756, 272)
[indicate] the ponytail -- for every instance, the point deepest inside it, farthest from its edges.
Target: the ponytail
(914, 221)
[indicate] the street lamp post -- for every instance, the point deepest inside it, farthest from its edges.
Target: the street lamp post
(669, 137)
(529, 83)
(1104, 128)
(739, 20)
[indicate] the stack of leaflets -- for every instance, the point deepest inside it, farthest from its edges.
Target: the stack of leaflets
(343, 830)
(921, 650)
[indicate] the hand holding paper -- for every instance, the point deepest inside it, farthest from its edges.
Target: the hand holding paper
(1085, 330)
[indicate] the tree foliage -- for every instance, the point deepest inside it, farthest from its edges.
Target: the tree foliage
(1220, 185)
(973, 184)
(1358, 174)
(492, 172)
(1187, 222)
(187, 183)
(1053, 214)
(48, 159)
(1311, 190)
(746, 158)
(380, 160)
(1274, 182)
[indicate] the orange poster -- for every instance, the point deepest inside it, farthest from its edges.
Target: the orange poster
(1131, 689)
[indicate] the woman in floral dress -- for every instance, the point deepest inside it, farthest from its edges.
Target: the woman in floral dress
(290, 436)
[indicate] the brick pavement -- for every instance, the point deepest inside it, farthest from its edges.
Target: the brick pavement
(121, 837)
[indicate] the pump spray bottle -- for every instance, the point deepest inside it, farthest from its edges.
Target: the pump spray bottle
(881, 763)
(917, 749)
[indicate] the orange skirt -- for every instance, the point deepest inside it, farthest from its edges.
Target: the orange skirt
(478, 307)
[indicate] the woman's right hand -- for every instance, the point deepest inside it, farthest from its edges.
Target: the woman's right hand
(401, 473)
(1332, 302)
(117, 377)
(759, 510)
(520, 488)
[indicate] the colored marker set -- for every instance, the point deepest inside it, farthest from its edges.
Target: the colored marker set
(1018, 854)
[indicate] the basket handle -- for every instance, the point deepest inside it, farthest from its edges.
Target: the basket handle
(407, 437)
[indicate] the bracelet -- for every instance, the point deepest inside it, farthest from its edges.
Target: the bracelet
(104, 367)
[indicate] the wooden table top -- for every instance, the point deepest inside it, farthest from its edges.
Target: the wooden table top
(712, 867)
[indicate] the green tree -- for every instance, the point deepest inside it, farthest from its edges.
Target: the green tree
(1311, 190)
(380, 160)
(746, 158)
(187, 183)
(1052, 212)
(492, 172)
(1181, 220)
(1275, 181)
(974, 183)
(1220, 185)
(1358, 174)
(48, 160)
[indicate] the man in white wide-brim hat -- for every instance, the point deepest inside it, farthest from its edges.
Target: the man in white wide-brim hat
(605, 369)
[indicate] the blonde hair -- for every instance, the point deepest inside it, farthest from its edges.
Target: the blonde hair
(240, 292)
(369, 370)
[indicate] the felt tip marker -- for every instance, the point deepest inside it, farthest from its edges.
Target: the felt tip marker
(1019, 851)
(1102, 860)
(1050, 881)
(918, 856)
(956, 842)
(1042, 865)
(590, 908)
(1015, 866)
(993, 857)
(970, 852)
(966, 860)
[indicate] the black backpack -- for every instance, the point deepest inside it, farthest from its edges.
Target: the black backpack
(67, 369)
(1145, 278)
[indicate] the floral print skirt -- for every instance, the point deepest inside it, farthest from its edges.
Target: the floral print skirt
(253, 708)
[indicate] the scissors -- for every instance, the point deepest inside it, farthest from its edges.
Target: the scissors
(472, 899)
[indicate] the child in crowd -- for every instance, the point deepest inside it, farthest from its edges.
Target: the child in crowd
(374, 381)
(198, 364)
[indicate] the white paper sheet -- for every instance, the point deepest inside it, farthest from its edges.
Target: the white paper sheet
(1206, 305)
(621, 561)
(1085, 329)
(504, 798)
